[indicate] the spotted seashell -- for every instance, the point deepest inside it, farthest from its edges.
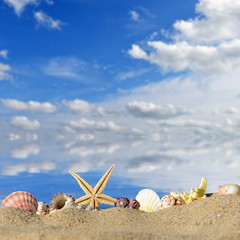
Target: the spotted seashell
(133, 204)
(149, 200)
(167, 201)
(60, 200)
(21, 200)
(229, 189)
(43, 208)
(179, 201)
(121, 202)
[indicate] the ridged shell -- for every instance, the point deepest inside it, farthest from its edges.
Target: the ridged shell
(60, 200)
(149, 200)
(229, 189)
(21, 200)
(167, 201)
(43, 208)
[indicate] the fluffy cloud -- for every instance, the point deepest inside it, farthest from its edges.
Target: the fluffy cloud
(209, 44)
(25, 150)
(134, 16)
(44, 20)
(4, 69)
(19, 5)
(25, 123)
(150, 110)
(3, 53)
(30, 106)
(94, 125)
(79, 106)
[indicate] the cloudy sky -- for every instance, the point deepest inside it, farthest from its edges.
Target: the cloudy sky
(152, 86)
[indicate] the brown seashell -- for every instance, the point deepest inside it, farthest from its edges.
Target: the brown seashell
(43, 208)
(133, 204)
(60, 200)
(229, 189)
(22, 200)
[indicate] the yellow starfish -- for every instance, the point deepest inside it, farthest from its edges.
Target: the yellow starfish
(94, 195)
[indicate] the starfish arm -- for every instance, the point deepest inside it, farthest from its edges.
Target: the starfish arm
(94, 203)
(83, 184)
(102, 198)
(98, 189)
(84, 200)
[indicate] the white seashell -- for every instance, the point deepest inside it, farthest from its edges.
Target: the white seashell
(60, 200)
(43, 208)
(149, 200)
(21, 200)
(229, 189)
(167, 201)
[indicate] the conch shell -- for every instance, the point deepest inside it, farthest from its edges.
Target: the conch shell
(196, 194)
(60, 201)
(229, 189)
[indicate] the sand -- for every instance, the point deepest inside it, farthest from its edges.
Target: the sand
(216, 217)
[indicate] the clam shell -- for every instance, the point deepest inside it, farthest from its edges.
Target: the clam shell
(60, 200)
(43, 208)
(167, 201)
(21, 200)
(149, 200)
(229, 189)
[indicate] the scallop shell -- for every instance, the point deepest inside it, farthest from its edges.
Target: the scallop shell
(43, 208)
(167, 201)
(149, 200)
(21, 200)
(60, 200)
(229, 189)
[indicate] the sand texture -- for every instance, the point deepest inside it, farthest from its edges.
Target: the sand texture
(216, 217)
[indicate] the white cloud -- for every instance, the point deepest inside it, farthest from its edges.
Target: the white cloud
(25, 150)
(65, 67)
(94, 125)
(150, 110)
(32, 167)
(208, 44)
(30, 106)
(79, 106)
(134, 16)
(19, 5)
(3, 53)
(50, 2)
(13, 137)
(4, 69)
(220, 21)
(44, 20)
(24, 123)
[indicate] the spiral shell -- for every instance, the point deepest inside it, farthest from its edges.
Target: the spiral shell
(149, 200)
(167, 201)
(229, 189)
(60, 200)
(43, 208)
(21, 200)
(179, 201)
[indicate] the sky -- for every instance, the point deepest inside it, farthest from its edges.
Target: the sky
(152, 86)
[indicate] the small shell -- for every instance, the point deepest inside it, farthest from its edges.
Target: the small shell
(167, 201)
(133, 204)
(229, 189)
(122, 202)
(60, 200)
(43, 208)
(149, 200)
(180, 201)
(21, 200)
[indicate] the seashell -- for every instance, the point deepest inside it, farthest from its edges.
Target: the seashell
(43, 208)
(60, 200)
(149, 200)
(167, 201)
(229, 189)
(122, 202)
(179, 201)
(21, 200)
(133, 204)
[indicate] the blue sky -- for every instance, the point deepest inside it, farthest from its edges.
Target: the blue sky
(152, 86)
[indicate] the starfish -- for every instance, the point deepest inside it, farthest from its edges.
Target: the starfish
(94, 195)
